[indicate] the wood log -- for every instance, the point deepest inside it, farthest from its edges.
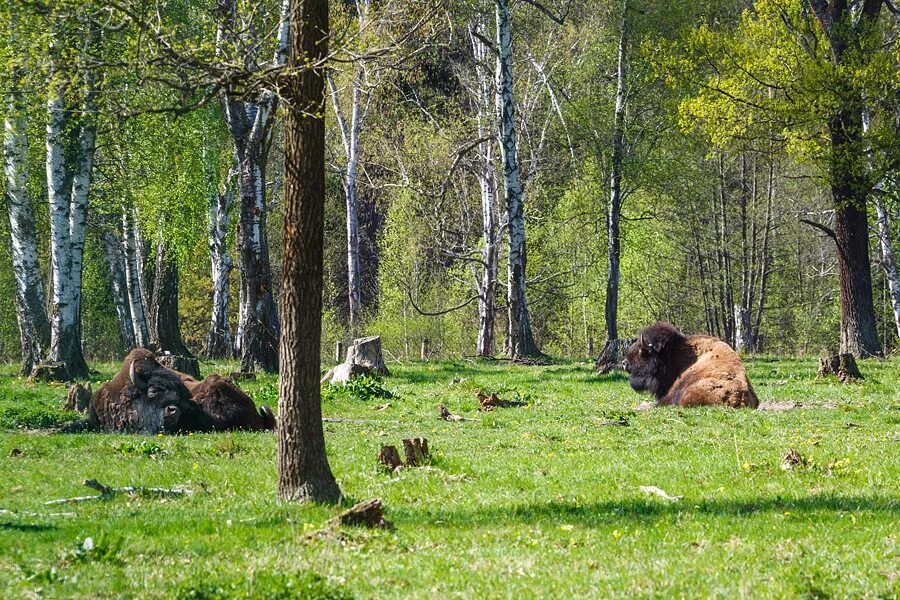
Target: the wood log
(416, 451)
(50, 371)
(612, 356)
(188, 365)
(841, 365)
(78, 397)
(368, 513)
(390, 458)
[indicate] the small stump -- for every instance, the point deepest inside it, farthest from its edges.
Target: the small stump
(416, 451)
(183, 364)
(50, 371)
(390, 458)
(368, 513)
(78, 398)
(236, 376)
(841, 365)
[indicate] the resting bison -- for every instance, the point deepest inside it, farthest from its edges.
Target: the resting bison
(145, 397)
(696, 370)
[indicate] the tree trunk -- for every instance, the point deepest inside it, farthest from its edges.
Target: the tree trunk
(68, 195)
(218, 339)
(166, 335)
(115, 260)
(31, 304)
(134, 276)
(521, 339)
(490, 253)
(303, 470)
(614, 210)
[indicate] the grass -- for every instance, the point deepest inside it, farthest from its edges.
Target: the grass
(541, 501)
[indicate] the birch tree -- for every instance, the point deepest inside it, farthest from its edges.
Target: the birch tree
(132, 244)
(219, 343)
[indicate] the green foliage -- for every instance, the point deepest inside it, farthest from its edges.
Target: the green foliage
(145, 448)
(105, 549)
(266, 586)
(366, 388)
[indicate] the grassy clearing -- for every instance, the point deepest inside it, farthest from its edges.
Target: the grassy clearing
(541, 501)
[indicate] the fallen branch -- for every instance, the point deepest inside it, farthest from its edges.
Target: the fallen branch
(107, 493)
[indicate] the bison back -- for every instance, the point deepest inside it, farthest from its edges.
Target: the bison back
(229, 407)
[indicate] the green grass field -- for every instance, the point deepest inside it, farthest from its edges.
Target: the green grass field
(536, 502)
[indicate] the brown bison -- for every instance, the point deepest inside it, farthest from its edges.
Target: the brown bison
(696, 370)
(145, 397)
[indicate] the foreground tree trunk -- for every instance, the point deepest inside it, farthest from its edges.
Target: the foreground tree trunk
(68, 195)
(166, 333)
(31, 305)
(303, 470)
(521, 339)
(614, 210)
(219, 342)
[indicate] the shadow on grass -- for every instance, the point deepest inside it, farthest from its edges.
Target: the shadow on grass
(30, 527)
(594, 514)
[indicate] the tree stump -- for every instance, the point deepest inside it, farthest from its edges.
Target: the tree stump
(390, 458)
(368, 513)
(416, 451)
(78, 398)
(612, 356)
(49, 371)
(338, 351)
(183, 364)
(841, 365)
(363, 358)
(236, 376)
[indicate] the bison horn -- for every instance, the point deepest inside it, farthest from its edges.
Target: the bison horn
(641, 340)
(136, 379)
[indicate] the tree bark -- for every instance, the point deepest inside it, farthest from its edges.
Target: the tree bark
(614, 210)
(68, 196)
(166, 334)
(134, 276)
(303, 470)
(115, 261)
(31, 304)
(521, 339)
(218, 340)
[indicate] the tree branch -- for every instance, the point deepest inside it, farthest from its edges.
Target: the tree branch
(825, 229)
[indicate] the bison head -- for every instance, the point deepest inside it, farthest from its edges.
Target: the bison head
(158, 399)
(647, 360)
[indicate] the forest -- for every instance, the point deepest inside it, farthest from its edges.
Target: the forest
(503, 178)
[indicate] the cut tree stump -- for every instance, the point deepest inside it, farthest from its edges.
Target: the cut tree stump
(390, 458)
(78, 398)
(368, 513)
(416, 451)
(183, 364)
(841, 365)
(612, 356)
(50, 371)
(363, 358)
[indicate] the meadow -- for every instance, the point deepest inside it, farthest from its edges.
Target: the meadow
(540, 501)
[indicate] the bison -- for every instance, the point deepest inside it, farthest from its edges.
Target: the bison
(696, 370)
(145, 397)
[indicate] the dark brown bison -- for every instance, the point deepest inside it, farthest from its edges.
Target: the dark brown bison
(696, 370)
(145, 397)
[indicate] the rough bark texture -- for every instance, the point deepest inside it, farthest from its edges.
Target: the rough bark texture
(389, 457)
(843, 366)
(521, 339)
(115, 261)
(416, 451)
(612, 356)
(219, 343)
(614, 209)
(303, 470)
(31, 305)
(134, 276)
(166, 335)
(70, 158)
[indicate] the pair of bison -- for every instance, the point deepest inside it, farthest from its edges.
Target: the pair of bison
(146, 397)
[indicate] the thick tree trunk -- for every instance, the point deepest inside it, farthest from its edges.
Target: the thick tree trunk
(166, 335)
(68, 195)
(31, 304)
(614, 210)
(115, 260)
(303, 470)
(521, 339)
(218, 339)
(134, 277)
(490, 252)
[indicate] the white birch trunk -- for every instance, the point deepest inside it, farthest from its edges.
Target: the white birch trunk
(115, 260)
(134, 278)
(521, 340)
(218, 339)
(31, 307)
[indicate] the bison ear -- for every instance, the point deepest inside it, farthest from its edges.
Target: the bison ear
(137, 379)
